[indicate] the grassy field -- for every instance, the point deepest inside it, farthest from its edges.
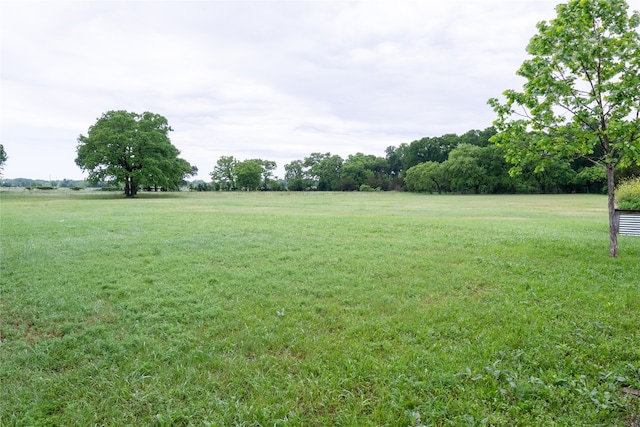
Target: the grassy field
(315, 309)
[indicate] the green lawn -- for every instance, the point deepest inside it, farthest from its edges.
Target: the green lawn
(315, 309)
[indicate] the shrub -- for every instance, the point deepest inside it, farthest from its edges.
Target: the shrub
(628, 194)
(45, 187)
(365, 187)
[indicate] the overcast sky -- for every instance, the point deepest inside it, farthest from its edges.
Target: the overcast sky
(275, 80)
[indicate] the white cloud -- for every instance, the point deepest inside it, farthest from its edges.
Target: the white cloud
(276, 79)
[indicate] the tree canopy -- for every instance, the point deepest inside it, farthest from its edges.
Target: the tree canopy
(582, 94)
(229, 174)
(249, 175)
(133, 150)
(3, 157)
(224, 173)
(467, 163)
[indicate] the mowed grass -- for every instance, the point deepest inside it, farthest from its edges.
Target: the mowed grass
(315, 309)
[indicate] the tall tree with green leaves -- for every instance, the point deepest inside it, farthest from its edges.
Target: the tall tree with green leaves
(427, 177)
(224, 173)
(582, 93)
(3, 157)
(268, 166)
(249, 174)
(463, 169)
(296, 176)
(324, 170)
(132, 149)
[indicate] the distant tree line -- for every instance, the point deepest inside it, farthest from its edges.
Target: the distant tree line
(468, 163)
(34, 183)
(451, 163)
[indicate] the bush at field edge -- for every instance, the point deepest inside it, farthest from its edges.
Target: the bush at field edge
(628, 194)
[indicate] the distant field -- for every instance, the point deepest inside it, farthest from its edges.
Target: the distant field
(315, 309)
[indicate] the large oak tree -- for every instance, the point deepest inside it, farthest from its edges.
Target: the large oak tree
(133, 150)
(581, 97)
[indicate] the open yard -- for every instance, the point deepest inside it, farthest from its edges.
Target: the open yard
(315, 309)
